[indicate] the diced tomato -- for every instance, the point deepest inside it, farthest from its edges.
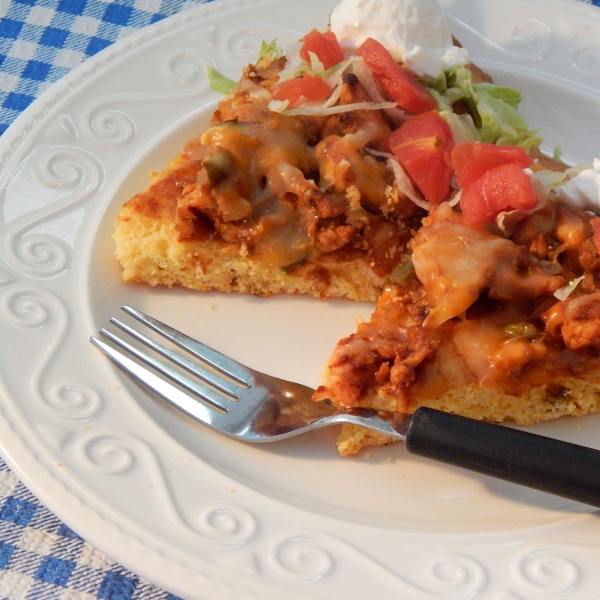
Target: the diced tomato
(324, 46)
(399, 83)
(423, 145)
(470, 160)
(499, 189)
(595, 223)
(307, 86)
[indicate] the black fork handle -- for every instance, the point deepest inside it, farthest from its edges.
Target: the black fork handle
(538, 462)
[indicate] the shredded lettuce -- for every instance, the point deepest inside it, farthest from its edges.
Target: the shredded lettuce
(462, 127)
(499, 92)
(278, 105)
(296, 66)
(403, 181)
(507, 220)
(321, 111)
(223, 85)
(551, 179)
(219, 82)
(316, 66)
(494, 108)
(557, 154)
(271, 50)
(564, 292)
(501, 122)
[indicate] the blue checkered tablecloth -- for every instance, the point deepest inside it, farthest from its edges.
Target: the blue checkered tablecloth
(40, 42)
(41, 558)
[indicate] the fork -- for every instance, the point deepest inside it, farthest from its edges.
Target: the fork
(250, 406)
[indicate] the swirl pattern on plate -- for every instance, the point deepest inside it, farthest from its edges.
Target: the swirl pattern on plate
(75, 175)
(34, 309)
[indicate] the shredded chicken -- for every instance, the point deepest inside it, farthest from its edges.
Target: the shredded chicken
(456, 262)
(385, 351)
(581, 324)
(291, 189)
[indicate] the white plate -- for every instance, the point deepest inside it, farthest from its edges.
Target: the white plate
(194, 512)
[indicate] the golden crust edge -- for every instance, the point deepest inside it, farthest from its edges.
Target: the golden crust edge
(149, 251)
(577, 398)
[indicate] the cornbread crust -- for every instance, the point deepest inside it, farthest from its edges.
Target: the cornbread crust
(573, 398)
(149, 252)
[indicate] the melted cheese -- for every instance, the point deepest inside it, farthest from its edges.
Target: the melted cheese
(291, 189)
(456, 262)
(490, 352)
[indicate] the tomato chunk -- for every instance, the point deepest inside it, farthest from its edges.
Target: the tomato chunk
(499, 189)
(307, 86)
(399, 83)
(324, 46)
(470, 160)
(423, 145)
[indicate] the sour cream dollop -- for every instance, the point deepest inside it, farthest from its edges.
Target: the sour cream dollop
(583, 191)
(414, 31)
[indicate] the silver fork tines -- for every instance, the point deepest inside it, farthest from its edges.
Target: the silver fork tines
(216, 360)
(191, 367)
(242, 402)
(163, 388)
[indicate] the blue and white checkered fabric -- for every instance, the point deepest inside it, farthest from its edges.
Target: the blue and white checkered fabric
(42, 40)
(41, 558)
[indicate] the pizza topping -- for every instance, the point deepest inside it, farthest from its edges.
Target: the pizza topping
(494, 183)
(471, 160)
(219, 82)
(416, 33)
(500, 189)
(291, 189)
(160, 198)
(324, 46)
(492, 108)
(583, 190)
(343, 165)
(325, 111)
(308, 87)
(405, 185)
(399, 83)
(494, 351)
(456, 262)
(423, 145)
(564, 292)
(581, 324)
(595, 223)
(571, 227)
(385, 351)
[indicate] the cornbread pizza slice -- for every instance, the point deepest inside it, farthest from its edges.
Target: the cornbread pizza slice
(496, 325)
(268, 203)
(293, 187)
